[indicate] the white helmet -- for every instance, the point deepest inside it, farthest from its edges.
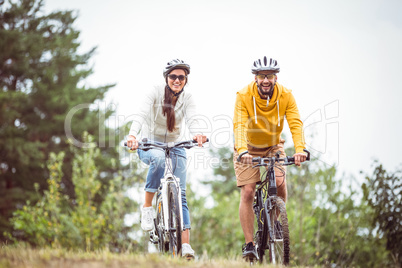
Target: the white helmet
(175, 64)
(265, 64)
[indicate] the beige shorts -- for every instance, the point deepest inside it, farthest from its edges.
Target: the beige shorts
(246, 174)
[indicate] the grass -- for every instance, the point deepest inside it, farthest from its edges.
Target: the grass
(20, 256)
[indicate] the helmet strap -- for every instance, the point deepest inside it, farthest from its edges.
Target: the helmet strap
(176, 94)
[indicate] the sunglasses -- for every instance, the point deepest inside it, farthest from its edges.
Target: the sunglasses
(262, 76)
(174, 77)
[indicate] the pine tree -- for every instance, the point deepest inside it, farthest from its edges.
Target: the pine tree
(42, 90)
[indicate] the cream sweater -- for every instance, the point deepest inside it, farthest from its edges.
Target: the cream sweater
(151, 123)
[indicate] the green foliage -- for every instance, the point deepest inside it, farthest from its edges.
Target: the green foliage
(222, 182)
(47, 222)
(329, 225)
(217, 230)
(383, 193)
(85, 225)
(41, 82)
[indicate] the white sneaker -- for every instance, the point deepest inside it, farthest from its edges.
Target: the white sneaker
(187, 251)
(147, 218)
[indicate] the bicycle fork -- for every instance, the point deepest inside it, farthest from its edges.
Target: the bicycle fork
(269, 208)
(169, 179)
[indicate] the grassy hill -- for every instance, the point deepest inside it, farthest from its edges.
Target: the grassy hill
(11, 257)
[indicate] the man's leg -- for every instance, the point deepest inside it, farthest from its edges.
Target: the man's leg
(281, 184)
(247, 178)
(246, 212)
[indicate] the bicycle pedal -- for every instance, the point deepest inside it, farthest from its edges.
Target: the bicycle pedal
(251, 259)
(153, 241)
(153, 238)
(189, 257)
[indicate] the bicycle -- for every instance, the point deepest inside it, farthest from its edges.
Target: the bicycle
(271, 234)
(168, 222)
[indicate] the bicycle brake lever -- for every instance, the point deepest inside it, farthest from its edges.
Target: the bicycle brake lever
(240, 156)
(308, 154)
(259, 165)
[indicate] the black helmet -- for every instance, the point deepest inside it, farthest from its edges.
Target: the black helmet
(265, 64)
(175, 64)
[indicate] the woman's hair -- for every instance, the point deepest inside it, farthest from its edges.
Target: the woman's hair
(168, 106)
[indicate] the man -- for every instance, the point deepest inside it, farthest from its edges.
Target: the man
(260, 110)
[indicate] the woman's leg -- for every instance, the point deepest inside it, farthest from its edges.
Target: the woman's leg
(185, 236)
(148, 199)
(156, 161)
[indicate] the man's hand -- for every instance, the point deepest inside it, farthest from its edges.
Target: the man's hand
(246, 159)
(200, 139)
(132, 143)
(299, 158)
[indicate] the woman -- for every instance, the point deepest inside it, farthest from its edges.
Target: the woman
(160, 120)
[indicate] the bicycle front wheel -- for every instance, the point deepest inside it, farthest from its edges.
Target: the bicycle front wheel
(175, 227)
(279, 244)
(261, 235)
(163, 245)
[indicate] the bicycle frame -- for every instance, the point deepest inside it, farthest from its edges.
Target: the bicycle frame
(165, 181)
(165, 227)
(267, 202)
(270, 202)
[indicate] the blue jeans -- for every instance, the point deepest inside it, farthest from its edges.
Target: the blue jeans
(156, 160)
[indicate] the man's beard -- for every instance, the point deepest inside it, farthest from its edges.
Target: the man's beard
(265, 93)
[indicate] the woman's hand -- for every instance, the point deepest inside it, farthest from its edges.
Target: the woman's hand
(132, 142)
(200, 139)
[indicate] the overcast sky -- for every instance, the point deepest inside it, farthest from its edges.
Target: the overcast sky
(342, 59)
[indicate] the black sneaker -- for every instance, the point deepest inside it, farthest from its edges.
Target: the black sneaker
(249, 252)
(278, 230)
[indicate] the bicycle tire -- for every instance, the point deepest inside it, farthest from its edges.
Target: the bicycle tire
(175, 227)
(163, 246)
(279, 246)
(261, 235)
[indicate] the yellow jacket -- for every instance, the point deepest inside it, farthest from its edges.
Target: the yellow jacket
(260, 125)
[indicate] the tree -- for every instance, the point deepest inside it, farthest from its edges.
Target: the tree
(42, 88)
(383, 193)
(224, 177)
(328, 222)
(217, 228)
(88, 225)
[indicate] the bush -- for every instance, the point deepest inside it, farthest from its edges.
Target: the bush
(83, 223)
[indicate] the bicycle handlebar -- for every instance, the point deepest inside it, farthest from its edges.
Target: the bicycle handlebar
(289, 160)
(146, 145)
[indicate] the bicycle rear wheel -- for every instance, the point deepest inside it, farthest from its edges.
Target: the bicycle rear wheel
(175, 227)
(279, 245)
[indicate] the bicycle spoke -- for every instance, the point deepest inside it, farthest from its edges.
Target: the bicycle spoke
(174, 222)
(159, 226)
(279, 247)
(261, 234)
